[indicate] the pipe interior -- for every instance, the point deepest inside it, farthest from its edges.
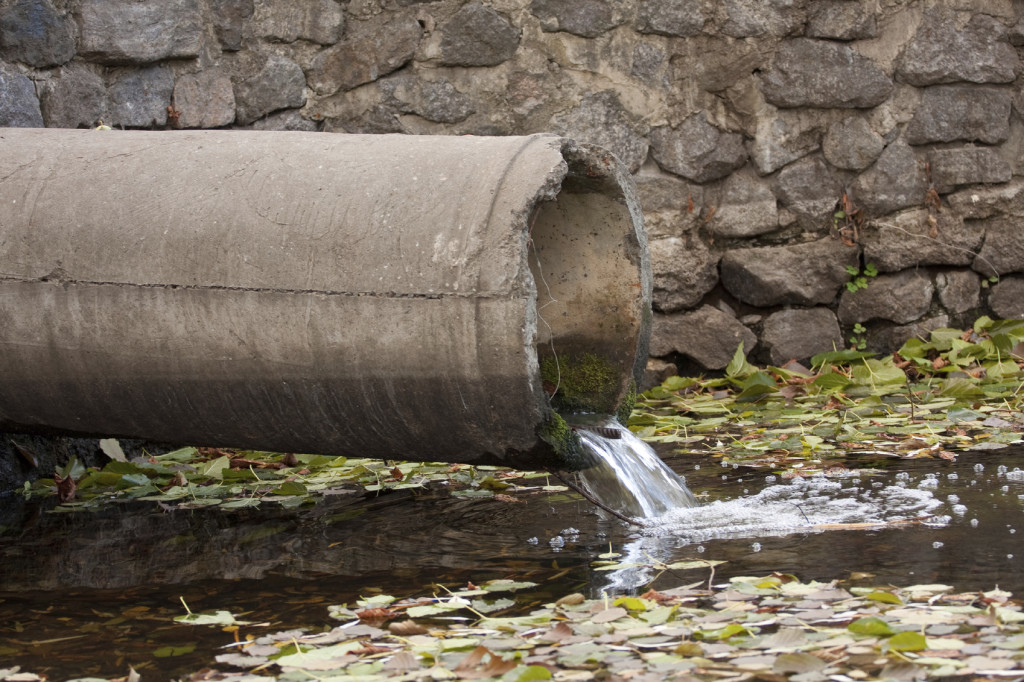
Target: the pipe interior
(584, 258)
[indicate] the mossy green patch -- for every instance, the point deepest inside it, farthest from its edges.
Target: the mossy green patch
(566, 442)
(585, 382)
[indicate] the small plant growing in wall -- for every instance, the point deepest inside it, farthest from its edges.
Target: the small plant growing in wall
(859, 278)
(859, 340)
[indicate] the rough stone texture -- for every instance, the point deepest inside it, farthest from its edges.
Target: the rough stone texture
(817, 73)
(763, 17)
(19, 106)
(1003, 250)
(920, 237)
(370, 51)
(681, 18)
(808, 189)
(708, 335)
(289, 119)
(959, 290)
(204, 100)
(33, 32)
(436, 101)
(671, 205)
(896, 180)
(697, 150)
(278, 85)
(799, 274)
(851, 144)
(746, 208)
(131, 32)
(800, 334)
(942, 52)
(229, 19)
(684, 271)
(1007, 298)
(77, 99)
(139, 97)
(976, 203)
(319, 21)
(841, 20)
(953, 168)
(587, 18)
(961, 112)
(656, 372)
(901, 298)
(783, 137)
(601, 119)
(478, 36)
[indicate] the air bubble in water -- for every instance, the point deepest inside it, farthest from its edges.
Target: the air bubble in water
(978, 468)
(772, 479)
(1001, 470)
(953, 499)
(1015, 475)
(756, 546)
(974, 523)
(533, 541)
(557, 542)
(952, 476)
(959, 509)
(937, 544)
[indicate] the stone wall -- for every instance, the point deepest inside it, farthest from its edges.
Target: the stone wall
(779, 145)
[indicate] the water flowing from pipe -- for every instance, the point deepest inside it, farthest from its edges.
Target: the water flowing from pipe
(627, 475)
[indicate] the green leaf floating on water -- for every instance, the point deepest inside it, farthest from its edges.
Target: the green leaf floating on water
(871, 625)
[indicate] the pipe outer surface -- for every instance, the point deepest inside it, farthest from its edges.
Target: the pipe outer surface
(412, 297)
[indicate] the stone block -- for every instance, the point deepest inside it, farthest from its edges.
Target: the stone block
(805, 274)
(917, 238)
(33, 32)
(975, 203)
(808, 189)
(656, 372)
(841, 20)
(707, 335)
(586, 18)
(478, 36)
(959, 290)
(77, 98)
(437, 101)
(601, 119)
(229, 20)
(885, 338)
(781, 136)
(1007, 298)
(799, 334)
(372, 49)
(684, 268)
(746, 208)
(697, 150)
(139, 97)
(288, 119)
(204, 100)
(19, 106)
(1003, 249)
(953, 168)
(318, 21)
(901, 298)
(131, 32)
(671, 205)
(961, 112)
(824, 74)
(944, 52)
(749, 18)
(851, 144)
(896, 180)
(682, 18)
(280, 84)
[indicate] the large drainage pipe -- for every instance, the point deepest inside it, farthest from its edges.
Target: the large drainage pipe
(422, 298)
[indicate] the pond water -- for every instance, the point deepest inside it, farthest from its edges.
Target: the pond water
(89, 594)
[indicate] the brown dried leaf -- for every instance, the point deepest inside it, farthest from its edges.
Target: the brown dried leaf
(406, 628)
(571, 599)
(66, 487)
(375, 616)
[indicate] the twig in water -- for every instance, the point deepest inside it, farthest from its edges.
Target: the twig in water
(594, 501)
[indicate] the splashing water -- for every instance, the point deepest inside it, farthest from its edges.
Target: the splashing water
(627, 475)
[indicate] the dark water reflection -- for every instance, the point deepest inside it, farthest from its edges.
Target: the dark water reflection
(106, 586)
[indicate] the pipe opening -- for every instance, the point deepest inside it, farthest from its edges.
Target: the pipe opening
(585, 259)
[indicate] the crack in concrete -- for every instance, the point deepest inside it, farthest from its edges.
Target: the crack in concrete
(265, 290)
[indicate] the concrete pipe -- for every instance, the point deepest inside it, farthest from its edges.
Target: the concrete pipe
(388, 296)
